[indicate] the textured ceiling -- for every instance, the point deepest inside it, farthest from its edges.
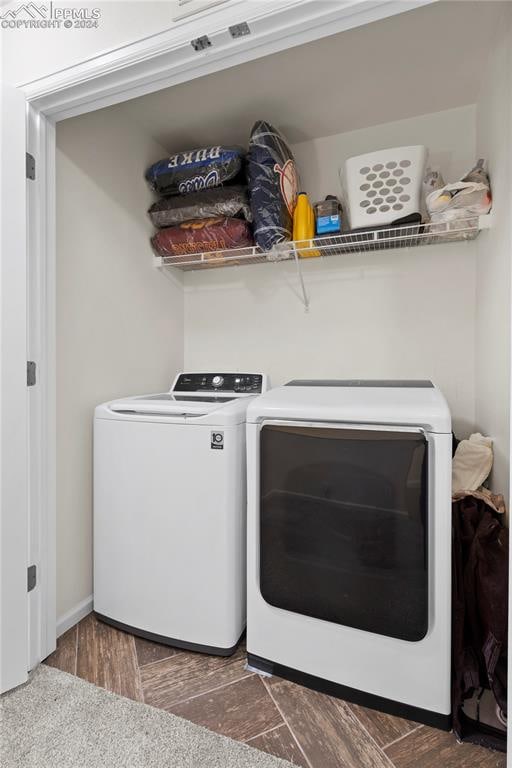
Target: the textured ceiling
(421, 61)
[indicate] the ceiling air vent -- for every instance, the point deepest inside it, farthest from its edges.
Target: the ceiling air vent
(181, 9)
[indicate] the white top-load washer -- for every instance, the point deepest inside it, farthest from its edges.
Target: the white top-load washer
(349, 542)
(170, 511)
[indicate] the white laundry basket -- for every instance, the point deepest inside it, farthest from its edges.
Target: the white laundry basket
(383, 186)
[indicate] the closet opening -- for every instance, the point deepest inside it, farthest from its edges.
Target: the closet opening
(128, 319)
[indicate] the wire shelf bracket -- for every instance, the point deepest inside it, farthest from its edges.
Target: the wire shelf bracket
(305, 297)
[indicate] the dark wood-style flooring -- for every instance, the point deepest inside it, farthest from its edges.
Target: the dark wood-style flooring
(307, 728)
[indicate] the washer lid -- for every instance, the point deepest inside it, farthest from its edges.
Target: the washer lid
(406, 403)
(168, 404)
(167, 407)
(195, 398)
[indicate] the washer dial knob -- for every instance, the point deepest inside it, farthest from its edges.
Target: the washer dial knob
(218, 381)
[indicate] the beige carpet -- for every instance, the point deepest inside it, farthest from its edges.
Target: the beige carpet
(57, 720)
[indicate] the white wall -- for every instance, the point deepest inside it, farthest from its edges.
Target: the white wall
(401, 313)
(119, 321)
(27, 54)
(494, 141)
(45, 51)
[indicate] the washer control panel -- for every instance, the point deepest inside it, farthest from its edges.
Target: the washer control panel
(249, 383)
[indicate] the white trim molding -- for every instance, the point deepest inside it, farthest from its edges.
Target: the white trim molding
(76, 614)
(42, 406)
(14, 474)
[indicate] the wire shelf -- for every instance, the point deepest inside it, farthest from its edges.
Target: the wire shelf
(234, 257)
(358, 241)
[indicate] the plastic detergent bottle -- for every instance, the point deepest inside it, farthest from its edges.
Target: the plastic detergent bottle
(304, 226)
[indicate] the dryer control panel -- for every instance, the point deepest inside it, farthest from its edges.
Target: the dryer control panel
(249, 383)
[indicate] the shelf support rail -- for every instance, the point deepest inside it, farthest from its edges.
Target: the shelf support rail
(305, 297)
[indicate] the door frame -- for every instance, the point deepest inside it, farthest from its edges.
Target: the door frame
(14, 396)
(124, 73)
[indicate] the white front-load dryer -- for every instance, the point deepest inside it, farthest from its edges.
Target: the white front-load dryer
(170, 511)
(349, 542)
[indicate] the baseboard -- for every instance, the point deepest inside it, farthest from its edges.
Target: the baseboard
(72, 617)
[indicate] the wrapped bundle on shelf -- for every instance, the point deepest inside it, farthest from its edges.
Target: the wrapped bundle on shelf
(273, 185)
(192, 238)
(199, 215)
(229, 201)
(195, 170)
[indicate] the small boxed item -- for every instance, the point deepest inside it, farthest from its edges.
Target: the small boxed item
(384, 186)
(328, 216)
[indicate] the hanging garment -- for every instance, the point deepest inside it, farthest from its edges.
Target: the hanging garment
(480, 605)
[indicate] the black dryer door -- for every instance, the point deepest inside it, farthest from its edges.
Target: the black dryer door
(344, 526)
